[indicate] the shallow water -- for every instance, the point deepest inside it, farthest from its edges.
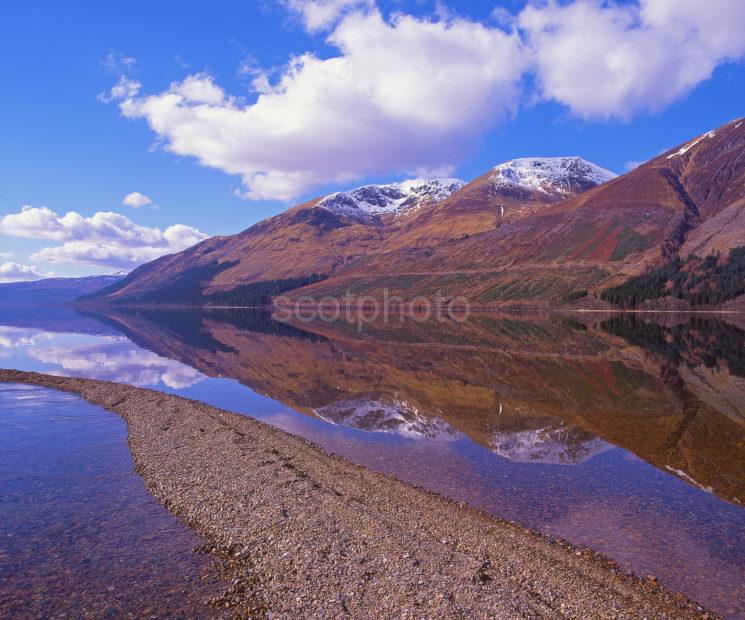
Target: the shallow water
(623, 435)
(79, 534)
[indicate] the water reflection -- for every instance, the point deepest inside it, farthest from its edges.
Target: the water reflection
(552, 444)
(553, 391)
(116, 359)
(620, 433)
(370, 413)
(11, 337)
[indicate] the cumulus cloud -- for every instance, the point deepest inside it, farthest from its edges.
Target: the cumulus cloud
(105, 239)
(15, 272)
(137, 200)
(605, 60)
(320, 14)
(410, 95)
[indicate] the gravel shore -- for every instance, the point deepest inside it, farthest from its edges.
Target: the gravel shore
(303, 534)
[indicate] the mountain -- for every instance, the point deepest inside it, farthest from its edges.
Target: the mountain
(53, 291)
(289, 249)
(366, 203)
(323, 235)
(557, 177)
(514, 189)
(533, 231)
(687, 199)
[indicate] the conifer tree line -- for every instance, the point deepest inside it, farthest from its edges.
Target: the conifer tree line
(708, 281)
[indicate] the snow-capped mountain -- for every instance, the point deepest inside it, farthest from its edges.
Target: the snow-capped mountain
(505, 216)
(553, 176)
(366, 202)
(395, 417)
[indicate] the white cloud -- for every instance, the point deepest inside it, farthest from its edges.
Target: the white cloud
(6, 254)
(407, 95)
(605, 60)
(137, 200)
(104, 240)
(125, 87)
(632, 165)
(15, 272)
(320, 14)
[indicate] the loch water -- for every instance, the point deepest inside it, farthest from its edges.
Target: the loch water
(622, 433)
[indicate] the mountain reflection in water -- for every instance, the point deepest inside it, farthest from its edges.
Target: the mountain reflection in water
(671, 393)
(624, 433)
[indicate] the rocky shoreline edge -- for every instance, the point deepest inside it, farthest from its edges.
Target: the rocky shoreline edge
(299, 533)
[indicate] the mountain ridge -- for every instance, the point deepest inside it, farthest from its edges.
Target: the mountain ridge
(53, 291)
(323, 235)
(531, 230)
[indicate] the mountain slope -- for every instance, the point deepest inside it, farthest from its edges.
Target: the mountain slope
(53, 291)
(529, 230)
(324, 235)
(601, 237)
(312, 238)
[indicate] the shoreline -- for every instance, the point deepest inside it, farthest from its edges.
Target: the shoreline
(301, 533)
(507, 308)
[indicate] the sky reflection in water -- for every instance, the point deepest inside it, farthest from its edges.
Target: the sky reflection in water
(624, 436)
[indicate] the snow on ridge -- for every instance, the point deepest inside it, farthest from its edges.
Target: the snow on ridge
(545, 174)
(370, 200)
(687, 147)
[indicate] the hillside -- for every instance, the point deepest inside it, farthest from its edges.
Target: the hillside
(320, 237)
(685, 200)
(535, 231)
(53, 291)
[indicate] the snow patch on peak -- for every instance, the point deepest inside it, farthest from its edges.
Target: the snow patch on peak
(684, 149)
(562, 175)
(370, 200)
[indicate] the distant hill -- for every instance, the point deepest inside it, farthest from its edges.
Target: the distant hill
(53, 291)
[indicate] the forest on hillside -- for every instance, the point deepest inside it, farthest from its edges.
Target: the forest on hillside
(709, 281)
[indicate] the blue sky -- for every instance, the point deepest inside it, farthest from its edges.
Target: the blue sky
(70, 145)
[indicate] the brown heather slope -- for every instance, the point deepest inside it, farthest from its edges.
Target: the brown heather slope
(490, 243)
(302, 240)
(312, 239)
(592, 241)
